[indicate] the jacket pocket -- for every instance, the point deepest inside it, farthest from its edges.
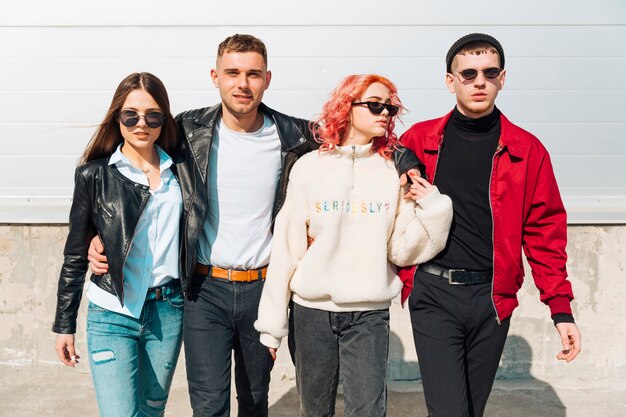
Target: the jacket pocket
(106, 210)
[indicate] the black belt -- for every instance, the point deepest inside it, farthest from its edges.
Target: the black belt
(458, 276)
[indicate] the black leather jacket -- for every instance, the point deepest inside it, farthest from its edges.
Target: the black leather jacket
(195, 132)
(106, 203)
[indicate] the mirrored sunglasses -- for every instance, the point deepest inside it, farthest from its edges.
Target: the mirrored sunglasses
(153, 119)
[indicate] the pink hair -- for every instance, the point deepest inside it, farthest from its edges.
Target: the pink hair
(332, 124)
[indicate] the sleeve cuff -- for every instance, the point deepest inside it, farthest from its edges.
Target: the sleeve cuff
(431, 200)
(560, 304)
(562, 318)
(270, 341)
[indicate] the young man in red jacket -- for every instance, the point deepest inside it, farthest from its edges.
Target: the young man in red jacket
(505, 198)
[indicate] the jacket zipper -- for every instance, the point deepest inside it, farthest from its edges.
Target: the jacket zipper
(183, 241)
(353, 158)
(104, 208)
(188, 272)
(439, 146)
(493, 227)
(438, 156)
(131, 244)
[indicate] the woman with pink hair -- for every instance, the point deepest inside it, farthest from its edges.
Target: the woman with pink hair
(346, 197)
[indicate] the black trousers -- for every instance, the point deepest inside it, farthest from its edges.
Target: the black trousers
(219, 320)
(459, 344)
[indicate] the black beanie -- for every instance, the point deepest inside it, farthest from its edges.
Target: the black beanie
(470, 39)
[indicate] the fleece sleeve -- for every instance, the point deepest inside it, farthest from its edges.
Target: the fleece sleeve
(289, 244)
(420, 230)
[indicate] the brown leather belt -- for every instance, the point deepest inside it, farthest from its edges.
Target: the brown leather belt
(232, 274)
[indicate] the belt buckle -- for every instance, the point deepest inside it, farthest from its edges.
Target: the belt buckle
(451, 274)
(230, 271)
(158, 293)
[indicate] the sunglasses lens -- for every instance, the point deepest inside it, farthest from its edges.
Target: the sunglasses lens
(392, 110)
(375, 107)
(155, 119)
(129, 118)
(469, 74)
(491, 73)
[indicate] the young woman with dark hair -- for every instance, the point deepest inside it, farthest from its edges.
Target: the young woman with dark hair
(347, 198)
(126, 192)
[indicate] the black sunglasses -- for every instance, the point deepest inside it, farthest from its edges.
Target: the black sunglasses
(376, 107)
(489, 73)
(130, 118)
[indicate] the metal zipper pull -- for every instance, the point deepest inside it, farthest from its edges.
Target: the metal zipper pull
(353, 157)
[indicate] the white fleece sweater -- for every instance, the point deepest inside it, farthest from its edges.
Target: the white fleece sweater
(350, 202)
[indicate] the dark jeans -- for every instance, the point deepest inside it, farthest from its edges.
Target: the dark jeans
(219, 318)
(459, 344)
(357, 342)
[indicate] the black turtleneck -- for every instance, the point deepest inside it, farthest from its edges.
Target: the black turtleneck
(463, 173)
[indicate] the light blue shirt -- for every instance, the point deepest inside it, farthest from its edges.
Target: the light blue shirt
(153, 258)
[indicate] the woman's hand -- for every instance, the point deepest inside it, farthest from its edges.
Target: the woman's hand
(65, 350)
(420, 187)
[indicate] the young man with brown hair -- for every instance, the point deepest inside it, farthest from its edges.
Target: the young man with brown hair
(505, 198)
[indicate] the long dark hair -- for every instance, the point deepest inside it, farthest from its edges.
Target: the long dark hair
(108, 135)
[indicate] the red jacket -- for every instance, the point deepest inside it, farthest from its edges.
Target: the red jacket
(527, 213)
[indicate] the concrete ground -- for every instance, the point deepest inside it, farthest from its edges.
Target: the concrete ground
(58, 392)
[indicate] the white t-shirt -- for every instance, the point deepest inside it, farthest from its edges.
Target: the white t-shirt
(244, 169)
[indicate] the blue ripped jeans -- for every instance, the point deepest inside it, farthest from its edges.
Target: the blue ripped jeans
(132, 360)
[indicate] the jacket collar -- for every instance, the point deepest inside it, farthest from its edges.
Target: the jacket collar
(350, 151)
(290, 134)
(164, 159)
(201, 127)
(510, 135)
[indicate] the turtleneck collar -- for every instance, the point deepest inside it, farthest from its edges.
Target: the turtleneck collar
(356, 150)
(475, 126)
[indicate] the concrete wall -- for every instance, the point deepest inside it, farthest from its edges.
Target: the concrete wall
(30, 260)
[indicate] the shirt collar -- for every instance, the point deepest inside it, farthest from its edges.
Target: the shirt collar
(165, 161)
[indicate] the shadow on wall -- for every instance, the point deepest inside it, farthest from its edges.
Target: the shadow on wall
(533, 397)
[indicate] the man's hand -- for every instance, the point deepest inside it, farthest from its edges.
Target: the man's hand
(97, 259)
(570, 339)
(65, 350)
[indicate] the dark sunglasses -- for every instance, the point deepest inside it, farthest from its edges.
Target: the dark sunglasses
(376, 107)
(489, 73)
(153, 119)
